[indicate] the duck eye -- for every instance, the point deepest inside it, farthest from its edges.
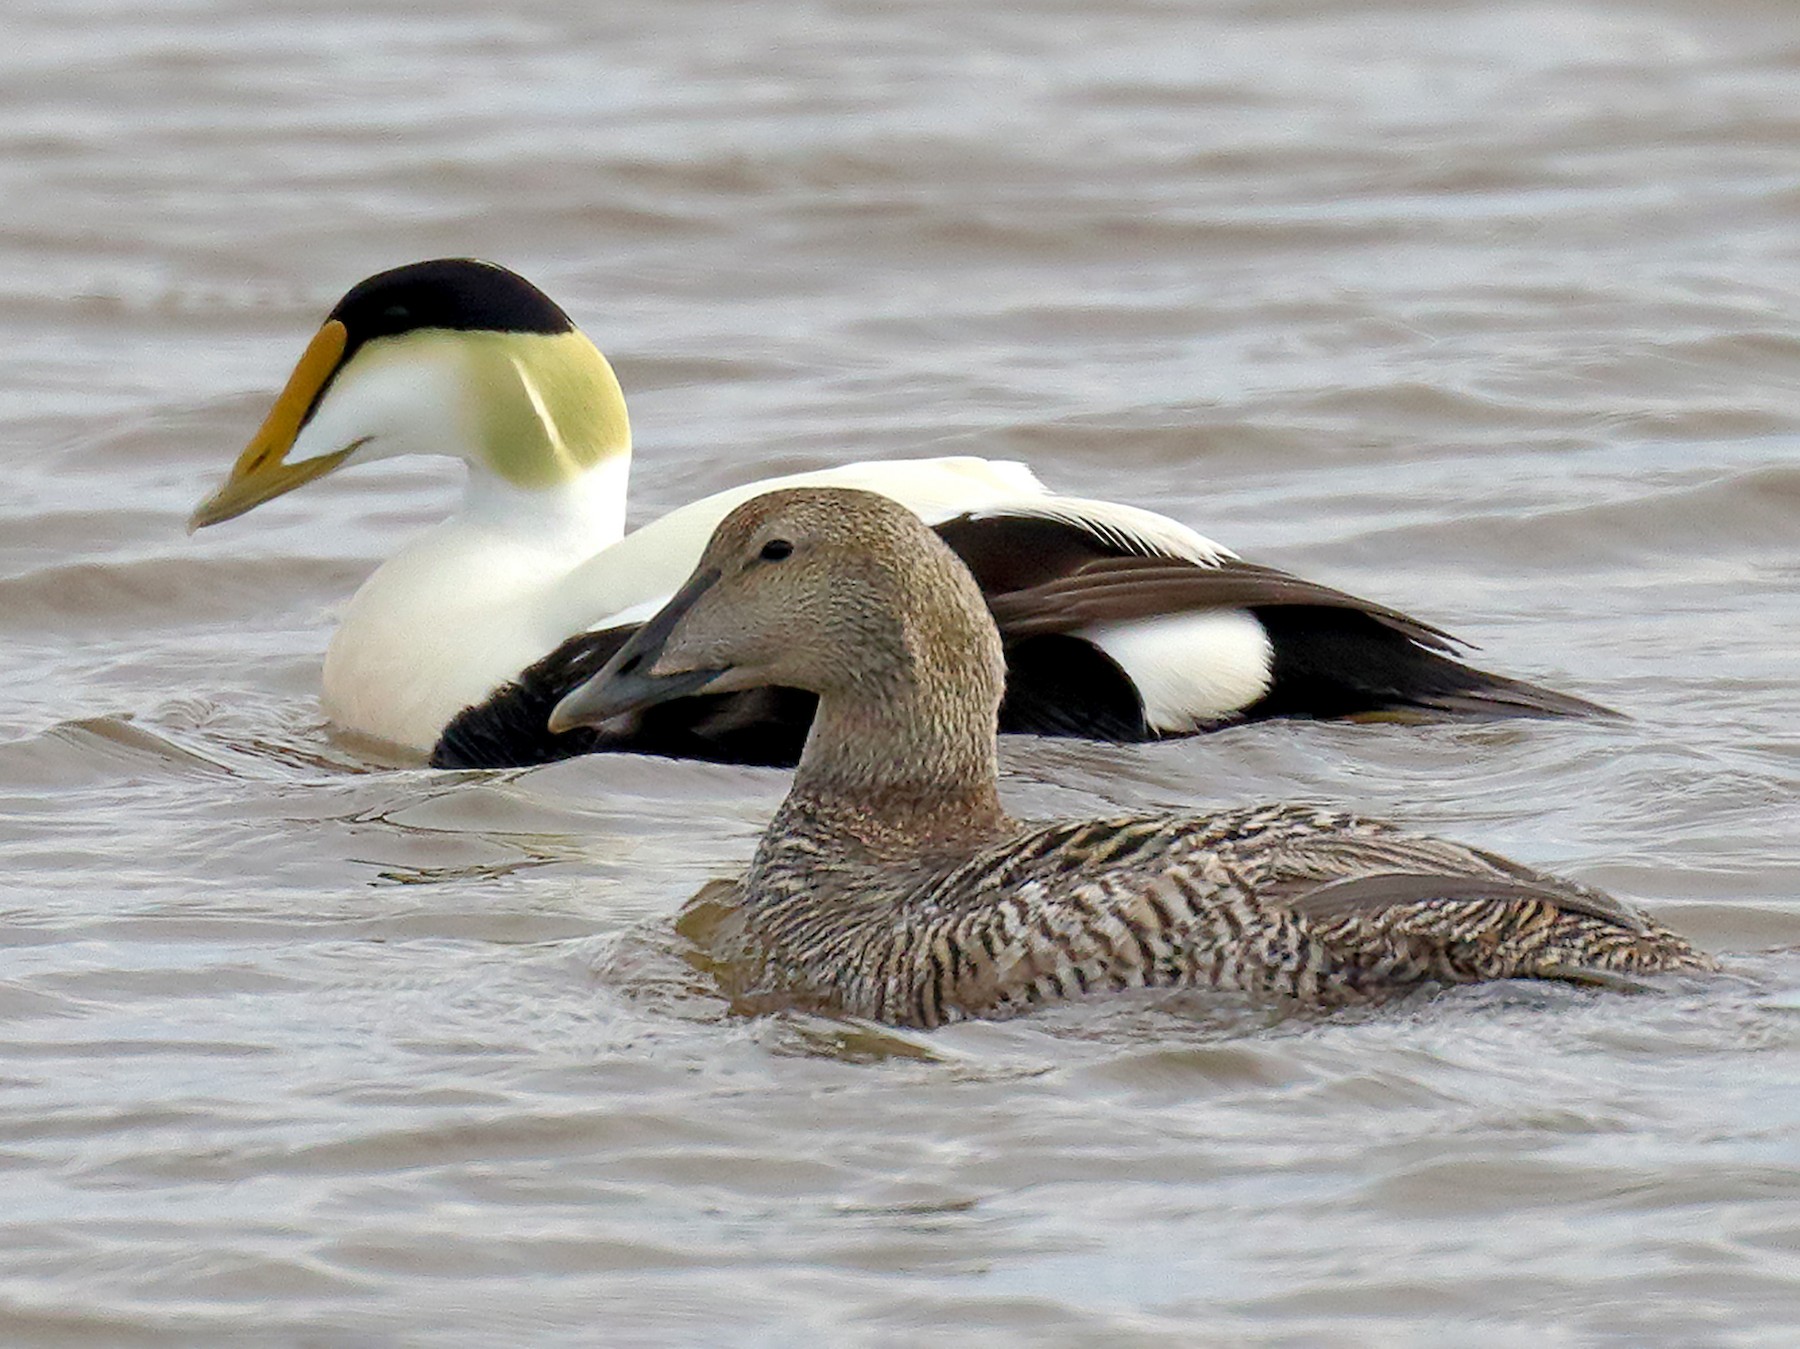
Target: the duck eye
(775, 549)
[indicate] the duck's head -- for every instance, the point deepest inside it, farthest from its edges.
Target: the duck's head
(840, 592)
(450, 357)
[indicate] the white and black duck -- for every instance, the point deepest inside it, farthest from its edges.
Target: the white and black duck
(1119, 624)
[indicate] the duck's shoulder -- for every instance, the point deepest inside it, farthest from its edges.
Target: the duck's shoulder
(1242, 830)
(1320, 865)
(1071, 861)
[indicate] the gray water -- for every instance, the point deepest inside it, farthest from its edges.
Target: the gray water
(1484, 311)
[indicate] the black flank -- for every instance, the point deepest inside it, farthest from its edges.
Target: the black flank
(510, 729)
(1064, 686)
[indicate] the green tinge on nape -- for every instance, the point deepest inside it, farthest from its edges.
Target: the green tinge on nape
(547, 405)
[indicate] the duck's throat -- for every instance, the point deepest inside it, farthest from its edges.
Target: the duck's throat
(903, 763)
(578, 515)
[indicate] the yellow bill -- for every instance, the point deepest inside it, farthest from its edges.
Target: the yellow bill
(261, 473)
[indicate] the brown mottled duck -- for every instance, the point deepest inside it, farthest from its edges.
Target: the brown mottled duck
(893, 885)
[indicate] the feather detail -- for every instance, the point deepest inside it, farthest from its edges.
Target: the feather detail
(1274, 901)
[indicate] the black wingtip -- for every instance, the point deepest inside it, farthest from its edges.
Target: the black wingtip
(1330, 662)
(1491, 695)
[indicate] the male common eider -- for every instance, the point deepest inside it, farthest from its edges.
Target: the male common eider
(1119, 624)
(892, 885)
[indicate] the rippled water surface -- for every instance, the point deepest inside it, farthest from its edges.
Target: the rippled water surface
(1490, 311)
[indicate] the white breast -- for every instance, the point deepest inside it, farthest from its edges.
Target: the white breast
(466, 607)
(436, 628)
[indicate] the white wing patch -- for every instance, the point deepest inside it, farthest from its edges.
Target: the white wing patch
(1190, 669)
(633, 615)
(935, 490)
(1130, 529)
(654, 560)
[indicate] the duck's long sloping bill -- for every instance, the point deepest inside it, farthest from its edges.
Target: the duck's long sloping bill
(261, 473)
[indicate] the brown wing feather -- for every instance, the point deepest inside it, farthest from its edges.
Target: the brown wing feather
(1121, 588)
(1366, 896)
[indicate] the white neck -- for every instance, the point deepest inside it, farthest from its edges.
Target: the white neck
(584, 514)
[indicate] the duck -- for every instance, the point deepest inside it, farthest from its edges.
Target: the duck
(892, 885)
(1120, 624)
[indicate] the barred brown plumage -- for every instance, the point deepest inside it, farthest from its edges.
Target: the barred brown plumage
(892, 885)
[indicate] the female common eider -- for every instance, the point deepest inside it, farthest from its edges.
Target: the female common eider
(1119, 624)
(892, 884)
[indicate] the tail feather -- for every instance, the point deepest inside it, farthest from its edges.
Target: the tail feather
(1495, 695)
(1335, 662)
